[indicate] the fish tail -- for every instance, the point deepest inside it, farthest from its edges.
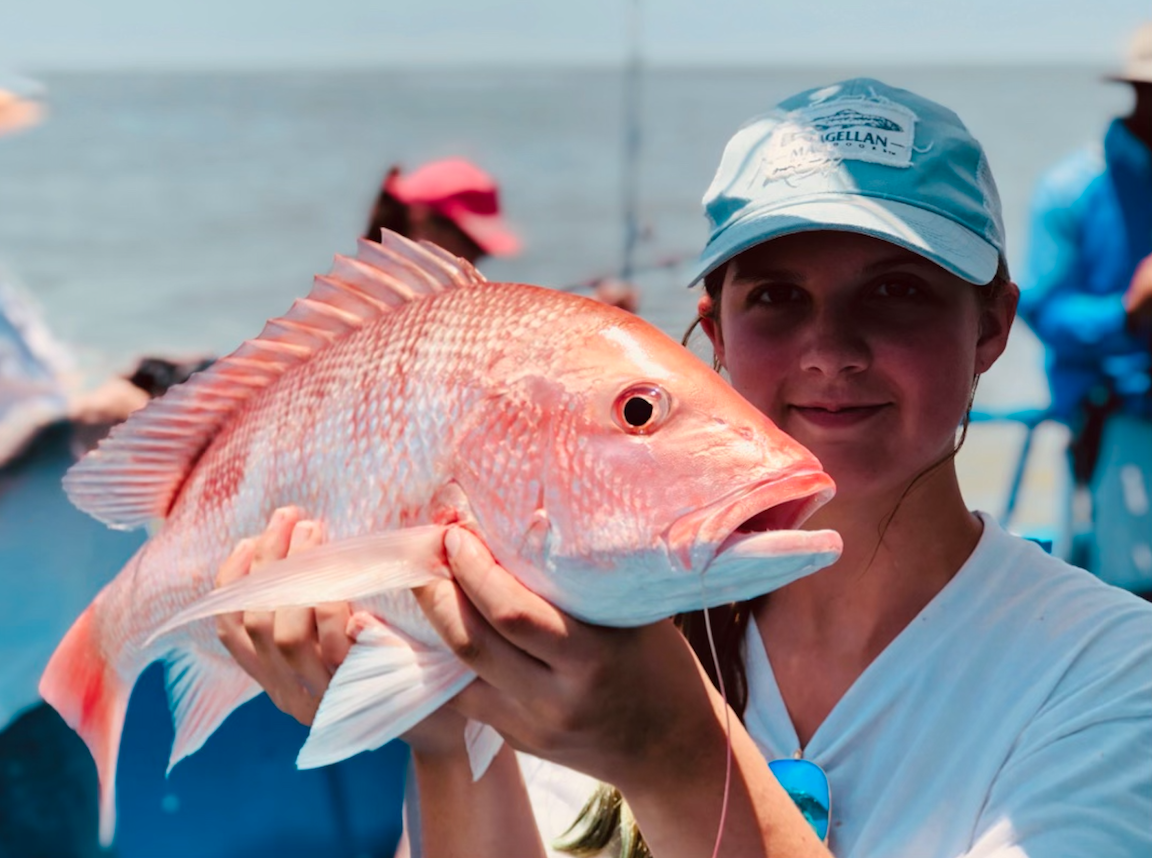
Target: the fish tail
(92, 698)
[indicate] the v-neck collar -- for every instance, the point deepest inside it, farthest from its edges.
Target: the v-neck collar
(767, 718)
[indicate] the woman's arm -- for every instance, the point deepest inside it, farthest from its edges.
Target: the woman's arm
(629, 706)
(462, 818)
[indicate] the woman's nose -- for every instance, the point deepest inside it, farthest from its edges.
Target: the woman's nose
(834, 343)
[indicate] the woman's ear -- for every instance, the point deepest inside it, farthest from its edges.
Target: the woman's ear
(995, 322)
(706, 310)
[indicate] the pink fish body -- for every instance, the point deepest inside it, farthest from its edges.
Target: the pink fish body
(605, 466)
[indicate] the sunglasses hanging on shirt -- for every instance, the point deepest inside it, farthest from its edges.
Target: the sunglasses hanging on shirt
(807, 785)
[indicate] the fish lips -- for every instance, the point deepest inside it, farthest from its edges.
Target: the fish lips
(754, 525)
(722, 553)
(763, 562)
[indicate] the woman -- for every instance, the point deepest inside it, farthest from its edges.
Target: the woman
(965, 693)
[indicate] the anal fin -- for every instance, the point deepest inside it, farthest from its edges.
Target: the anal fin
(203, 690)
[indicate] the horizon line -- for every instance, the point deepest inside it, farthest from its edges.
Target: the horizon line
(225, 67)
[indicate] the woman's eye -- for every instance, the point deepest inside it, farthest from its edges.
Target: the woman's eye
(898, 289)
(777, 293)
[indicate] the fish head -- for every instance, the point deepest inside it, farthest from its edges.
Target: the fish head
(648, 486)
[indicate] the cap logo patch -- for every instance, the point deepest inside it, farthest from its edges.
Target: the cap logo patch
(819, 137)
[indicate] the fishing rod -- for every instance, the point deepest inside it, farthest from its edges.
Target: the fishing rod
(672, 260)
(630, 164)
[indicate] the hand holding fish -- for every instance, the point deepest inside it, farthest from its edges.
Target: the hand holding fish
(293, 652)
(630, 706)
(592, 698)
(542, 673)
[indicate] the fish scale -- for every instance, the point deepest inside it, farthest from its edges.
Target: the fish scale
(404, 394)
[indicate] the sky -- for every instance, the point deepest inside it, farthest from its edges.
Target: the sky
(195, 34)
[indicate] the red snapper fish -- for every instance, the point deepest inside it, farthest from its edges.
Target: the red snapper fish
(604, 465)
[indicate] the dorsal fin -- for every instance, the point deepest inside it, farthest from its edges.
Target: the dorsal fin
(135, 473)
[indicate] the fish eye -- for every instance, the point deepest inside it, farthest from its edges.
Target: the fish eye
(640, 409)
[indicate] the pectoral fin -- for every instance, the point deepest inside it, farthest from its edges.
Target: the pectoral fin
(388, 684)
(334, 572)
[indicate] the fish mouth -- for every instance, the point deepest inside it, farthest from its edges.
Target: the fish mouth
(761, 520)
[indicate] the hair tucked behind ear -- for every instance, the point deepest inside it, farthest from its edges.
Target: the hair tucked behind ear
(713, 281)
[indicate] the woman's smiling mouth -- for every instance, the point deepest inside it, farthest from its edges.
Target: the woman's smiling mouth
(835, 416)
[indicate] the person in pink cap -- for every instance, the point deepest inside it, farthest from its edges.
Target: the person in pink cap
(451, 203)
(456, 205)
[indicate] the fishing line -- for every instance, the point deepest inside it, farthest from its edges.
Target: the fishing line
(727, 724)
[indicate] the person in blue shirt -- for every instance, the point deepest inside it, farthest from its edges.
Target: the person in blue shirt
(1087, 294)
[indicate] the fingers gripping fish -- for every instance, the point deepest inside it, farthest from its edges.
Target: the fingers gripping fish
(605, 466)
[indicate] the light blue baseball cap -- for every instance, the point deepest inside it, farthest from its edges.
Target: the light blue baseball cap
(858, 156)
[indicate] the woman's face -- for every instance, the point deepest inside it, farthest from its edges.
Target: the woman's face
(864, 352)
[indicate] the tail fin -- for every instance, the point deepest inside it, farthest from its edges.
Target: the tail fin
(92, 698)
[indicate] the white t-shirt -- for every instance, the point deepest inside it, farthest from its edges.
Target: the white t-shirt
(1012, 717)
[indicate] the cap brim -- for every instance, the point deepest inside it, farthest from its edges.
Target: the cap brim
(933, 236)
(490, 232)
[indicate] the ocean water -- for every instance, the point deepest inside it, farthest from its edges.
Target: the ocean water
(173, 213)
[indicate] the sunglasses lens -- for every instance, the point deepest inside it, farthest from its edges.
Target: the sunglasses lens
(807, 784)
